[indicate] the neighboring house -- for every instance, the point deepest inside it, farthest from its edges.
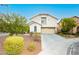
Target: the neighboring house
(1, 16)
(74, 30)
(43, 23)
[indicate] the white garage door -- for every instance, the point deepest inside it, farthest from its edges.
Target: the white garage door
(48, 30)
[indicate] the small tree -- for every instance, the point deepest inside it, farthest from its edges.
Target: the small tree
(67, 24)
(3, 24)
(18, 24)
(13, 24)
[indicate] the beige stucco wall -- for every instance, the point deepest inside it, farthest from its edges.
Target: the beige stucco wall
(59, 27)
(75, 29)
(50, 21)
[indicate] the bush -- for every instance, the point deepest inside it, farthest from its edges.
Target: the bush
(31, 46)
(13, 45)
(64, 31)
(67, 24)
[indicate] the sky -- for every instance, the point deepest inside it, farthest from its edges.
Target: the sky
(29, 10)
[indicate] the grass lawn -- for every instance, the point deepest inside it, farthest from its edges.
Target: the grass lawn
(27, 40)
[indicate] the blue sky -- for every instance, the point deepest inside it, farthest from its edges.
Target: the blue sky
(29, 10)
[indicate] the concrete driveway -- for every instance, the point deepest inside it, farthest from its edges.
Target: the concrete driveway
(53, 44)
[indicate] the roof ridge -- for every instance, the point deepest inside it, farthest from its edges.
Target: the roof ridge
(43, 14)
(75, 16)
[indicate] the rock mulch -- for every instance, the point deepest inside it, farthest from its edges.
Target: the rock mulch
(27, 40)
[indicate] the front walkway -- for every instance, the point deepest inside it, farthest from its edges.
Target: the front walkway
(53, 44)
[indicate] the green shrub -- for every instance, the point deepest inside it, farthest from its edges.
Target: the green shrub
(31, 46)
(13, 45)
(67, 24)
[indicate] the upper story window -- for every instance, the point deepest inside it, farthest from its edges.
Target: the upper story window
(43, 20)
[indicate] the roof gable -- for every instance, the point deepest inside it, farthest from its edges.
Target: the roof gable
(32, 22)
(43, 14)
(75, 17)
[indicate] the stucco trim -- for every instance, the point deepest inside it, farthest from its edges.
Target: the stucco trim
(48, 27)
(30, 23)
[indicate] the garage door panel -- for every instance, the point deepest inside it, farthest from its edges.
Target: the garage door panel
(48, 30)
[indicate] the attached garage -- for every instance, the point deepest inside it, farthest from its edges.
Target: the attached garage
(43, 23)
(48, 30)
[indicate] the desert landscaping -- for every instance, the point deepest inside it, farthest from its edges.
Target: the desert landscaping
(34, 49)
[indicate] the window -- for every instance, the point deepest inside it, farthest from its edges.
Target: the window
(35, 29)
(43, 20)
